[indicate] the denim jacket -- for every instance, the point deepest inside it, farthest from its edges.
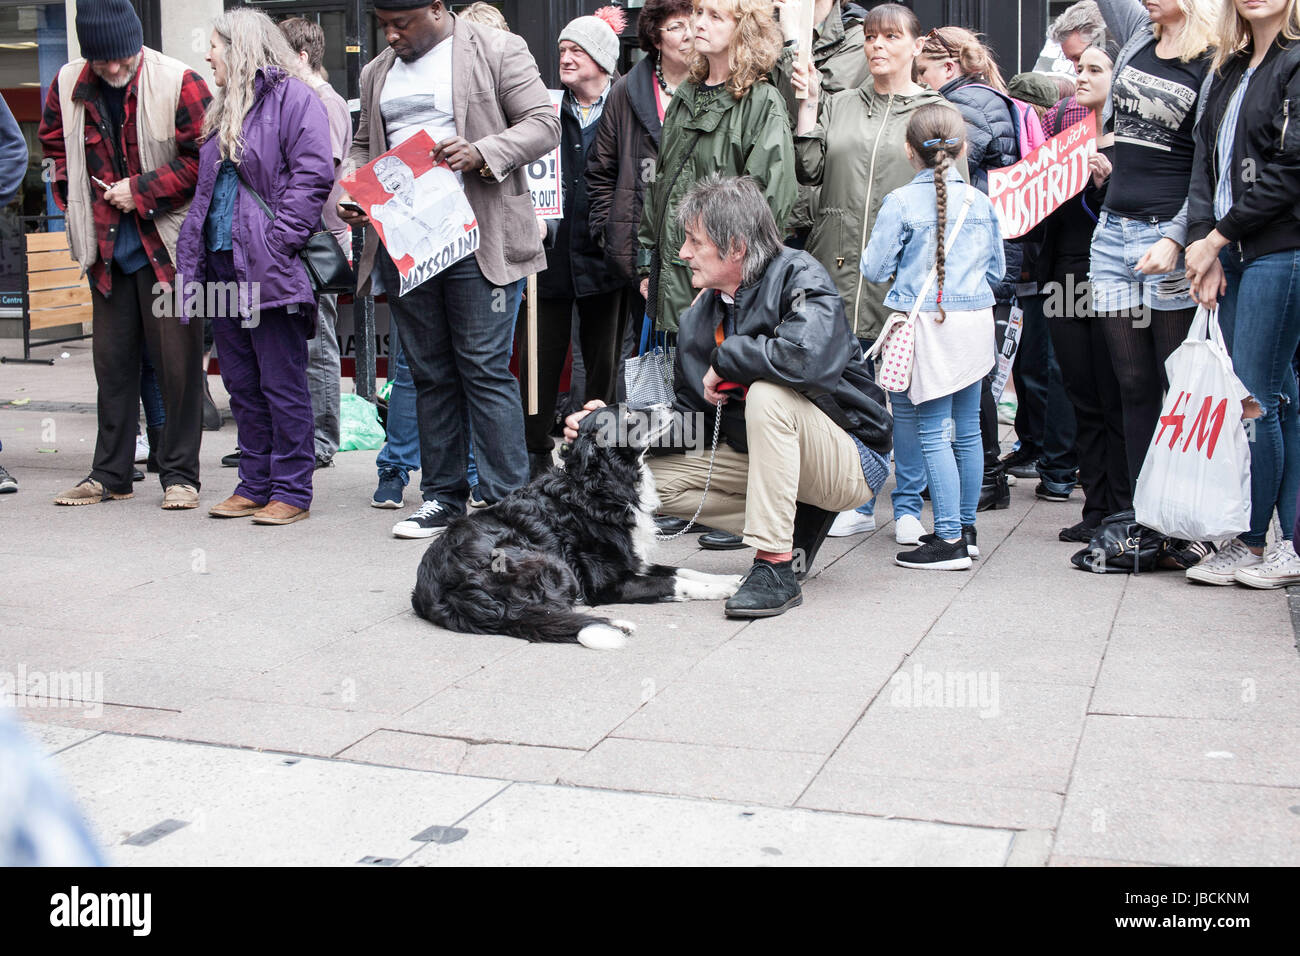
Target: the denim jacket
(902, 245)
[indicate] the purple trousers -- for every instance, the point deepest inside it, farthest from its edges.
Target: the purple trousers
(264, 367)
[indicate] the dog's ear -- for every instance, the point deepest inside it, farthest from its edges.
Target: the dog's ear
(577, 456)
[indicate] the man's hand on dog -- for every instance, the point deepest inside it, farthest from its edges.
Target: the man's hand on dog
(571, 423)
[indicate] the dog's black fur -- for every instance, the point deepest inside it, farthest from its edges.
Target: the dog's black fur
(577, 534)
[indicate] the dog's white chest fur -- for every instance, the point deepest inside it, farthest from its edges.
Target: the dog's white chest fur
(644, 533)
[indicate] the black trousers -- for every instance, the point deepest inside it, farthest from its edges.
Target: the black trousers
(1090, 382)
(123, 321)
(601, 320)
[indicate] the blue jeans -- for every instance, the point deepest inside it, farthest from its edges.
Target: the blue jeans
(1260, 319)
(155, 413)
(457, 330)
(1118, 243)
(401, 452)
(947, 430)
(909, 469)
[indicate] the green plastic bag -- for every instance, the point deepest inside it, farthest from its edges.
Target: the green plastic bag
(359, 428)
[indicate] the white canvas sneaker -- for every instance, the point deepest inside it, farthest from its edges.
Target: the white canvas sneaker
(141, 448)
(1221, 568)
(1279, 568)
(851, 522)
(908, 530)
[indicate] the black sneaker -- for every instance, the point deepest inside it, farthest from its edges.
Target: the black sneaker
(721, 541)
(388, 494)
(1081, 533)
(968, 537)
(231, 460)
(766, 591)
(936, 555)
(431, 519)
(1052, 491)
(8, 483)
(324, 461)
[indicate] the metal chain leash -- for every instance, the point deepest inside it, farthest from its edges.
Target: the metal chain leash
(713, 454)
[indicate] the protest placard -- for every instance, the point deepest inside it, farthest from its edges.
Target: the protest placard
(1028, 192)
(418, 208)
(544, 176)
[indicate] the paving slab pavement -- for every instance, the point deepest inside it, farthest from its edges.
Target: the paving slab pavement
(1023, 713)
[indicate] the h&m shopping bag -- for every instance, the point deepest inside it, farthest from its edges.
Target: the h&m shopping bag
(1195, 481)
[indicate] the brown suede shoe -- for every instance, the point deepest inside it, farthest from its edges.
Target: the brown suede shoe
(277, 512)
(236, 506)
(180, 498)
(88, 491)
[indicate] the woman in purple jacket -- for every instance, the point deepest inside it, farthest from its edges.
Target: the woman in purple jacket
(265, 171)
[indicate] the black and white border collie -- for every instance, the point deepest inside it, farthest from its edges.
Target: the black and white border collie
(580, 534)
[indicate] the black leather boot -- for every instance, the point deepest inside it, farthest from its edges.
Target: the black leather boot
(211, 414)
(811, 525)
(995, 493)
(155, 439)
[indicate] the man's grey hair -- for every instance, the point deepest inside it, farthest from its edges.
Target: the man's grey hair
(1083, 18)
(733, 213)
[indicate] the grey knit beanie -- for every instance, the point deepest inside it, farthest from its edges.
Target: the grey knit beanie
(596, 37)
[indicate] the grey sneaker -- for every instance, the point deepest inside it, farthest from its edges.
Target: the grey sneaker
(8, 483)
(1222, 568)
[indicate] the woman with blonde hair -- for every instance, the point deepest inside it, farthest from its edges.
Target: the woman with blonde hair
(727, 118)
(265, 172)
(1245, 258)
(1140, 291)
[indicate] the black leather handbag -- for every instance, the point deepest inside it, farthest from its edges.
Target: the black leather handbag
(1122, 546)
(327, 267)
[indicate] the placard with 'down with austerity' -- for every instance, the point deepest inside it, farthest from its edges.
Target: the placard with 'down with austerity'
(1031, 190)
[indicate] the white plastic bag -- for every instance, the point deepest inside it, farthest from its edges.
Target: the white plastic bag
(1195, 481)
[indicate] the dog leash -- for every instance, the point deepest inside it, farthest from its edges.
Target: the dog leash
(713, 454)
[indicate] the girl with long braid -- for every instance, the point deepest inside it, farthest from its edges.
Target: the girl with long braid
(940, 241)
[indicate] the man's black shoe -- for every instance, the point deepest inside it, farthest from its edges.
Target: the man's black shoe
(667, 524)
(1081, 533)
(231, 460)
(1052, 491)
(721, 541)
(1023, 463)
(995, 493)
(137, 474)
(811, 525)
(766, 591)
(324, 461)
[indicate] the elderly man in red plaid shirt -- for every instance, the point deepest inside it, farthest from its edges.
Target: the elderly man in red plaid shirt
(122, 126)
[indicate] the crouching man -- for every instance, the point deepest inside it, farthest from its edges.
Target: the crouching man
(805, 431)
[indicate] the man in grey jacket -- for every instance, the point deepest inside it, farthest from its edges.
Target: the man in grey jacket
(478, 94)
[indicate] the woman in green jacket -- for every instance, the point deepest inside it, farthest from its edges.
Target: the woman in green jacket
(852, 146)
(727, 118)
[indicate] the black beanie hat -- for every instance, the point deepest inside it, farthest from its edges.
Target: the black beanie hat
(108, 29)
(402, 4)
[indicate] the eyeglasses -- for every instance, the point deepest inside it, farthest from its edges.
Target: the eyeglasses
(676, 28)
(937, 37)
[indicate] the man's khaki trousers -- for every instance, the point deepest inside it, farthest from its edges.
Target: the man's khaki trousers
(795, 454)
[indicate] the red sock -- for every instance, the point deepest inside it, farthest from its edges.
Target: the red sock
(774, 557)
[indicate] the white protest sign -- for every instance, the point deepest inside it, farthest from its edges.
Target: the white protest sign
(544, 176)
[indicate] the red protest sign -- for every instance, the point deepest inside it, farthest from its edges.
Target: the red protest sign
(1028, 192)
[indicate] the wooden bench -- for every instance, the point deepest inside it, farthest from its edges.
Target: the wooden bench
(57, 293)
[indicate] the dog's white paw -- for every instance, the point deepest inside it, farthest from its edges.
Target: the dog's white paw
(603, 637)
(705, 587)
(627, 627)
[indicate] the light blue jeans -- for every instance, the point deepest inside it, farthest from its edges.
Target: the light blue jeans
(909, 471)
(947, 431)
(1260, 319)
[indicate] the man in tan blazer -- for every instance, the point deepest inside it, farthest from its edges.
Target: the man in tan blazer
(478, 94)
